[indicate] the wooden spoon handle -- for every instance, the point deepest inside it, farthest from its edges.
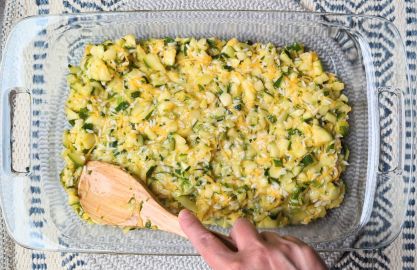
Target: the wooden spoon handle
(173, 226)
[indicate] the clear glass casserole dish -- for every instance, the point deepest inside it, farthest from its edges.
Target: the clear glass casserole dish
(34, 89)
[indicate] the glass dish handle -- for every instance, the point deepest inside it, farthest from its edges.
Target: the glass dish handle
(392, 130)
(20, 122)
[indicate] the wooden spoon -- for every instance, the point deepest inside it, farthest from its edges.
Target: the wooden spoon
(109, 195)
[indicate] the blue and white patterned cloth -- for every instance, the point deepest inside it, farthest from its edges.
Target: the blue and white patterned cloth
(399, 255)
(402, 253)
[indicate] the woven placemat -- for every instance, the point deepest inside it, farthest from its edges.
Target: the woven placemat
(398, 255)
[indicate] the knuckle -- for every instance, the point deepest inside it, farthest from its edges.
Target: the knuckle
(236, 265)
(241, 224)
(261, 254)
(305, 248)
(280, 259)
(259, 247)
(206, 238)
(294, 240)
(268, 235)
(287, 249)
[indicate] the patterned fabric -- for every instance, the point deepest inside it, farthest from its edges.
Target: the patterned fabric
(402, 253)
(399, 255)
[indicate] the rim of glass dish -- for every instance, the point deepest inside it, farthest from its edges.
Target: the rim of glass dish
(314, 13)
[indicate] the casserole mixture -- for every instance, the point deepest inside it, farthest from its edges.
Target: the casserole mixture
(226, 129)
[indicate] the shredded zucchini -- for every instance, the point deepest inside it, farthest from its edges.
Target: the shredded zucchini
(227, 129)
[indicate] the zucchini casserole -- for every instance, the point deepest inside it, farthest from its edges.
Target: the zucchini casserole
(227, 129)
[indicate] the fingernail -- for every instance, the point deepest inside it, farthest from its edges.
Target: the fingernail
(184, 213)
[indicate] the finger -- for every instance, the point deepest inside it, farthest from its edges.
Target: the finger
(293, 239)
(244, 233)
(306, 255)
(207, 244)
(270, 236)
(228, 241)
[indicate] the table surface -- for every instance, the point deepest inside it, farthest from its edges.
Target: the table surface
(399, 255)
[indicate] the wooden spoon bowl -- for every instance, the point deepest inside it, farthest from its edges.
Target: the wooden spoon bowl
(111, 196)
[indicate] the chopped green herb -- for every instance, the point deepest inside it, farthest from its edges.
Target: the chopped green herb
(278, 162)
(274, 215)
(88, 126)
(145, 79)
(182, 156)
(178, 172)
(149, 115)
(344, 130)
(272, 118)
(295, 47)
(238, 107)
(294, 131)
(219, 118)
(83, 113)
(224, 55)
(229, 68)
(122, 106)
(340, 115)
(148, 224)
(330, 147)
(307, 160)
(207, 168)
(278, 82)
(308, 120)
(72, 122)
(268, 93)
(247, 211)
(168, 40)
(286, 52)
(211, 43)
(185, 48)
(272, 179)
(296, 197)
(135, 94)
(228, 88)
(201, 87)
(113, 144)
(150, 171)
(193, 126)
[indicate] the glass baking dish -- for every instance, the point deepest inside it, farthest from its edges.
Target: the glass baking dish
(33, 92)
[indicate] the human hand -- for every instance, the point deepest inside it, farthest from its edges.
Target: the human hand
(264, 251)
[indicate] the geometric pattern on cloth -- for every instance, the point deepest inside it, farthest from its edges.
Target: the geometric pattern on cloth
(402, 253)
(399, 255)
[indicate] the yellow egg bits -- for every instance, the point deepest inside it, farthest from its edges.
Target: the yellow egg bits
(227, 129)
